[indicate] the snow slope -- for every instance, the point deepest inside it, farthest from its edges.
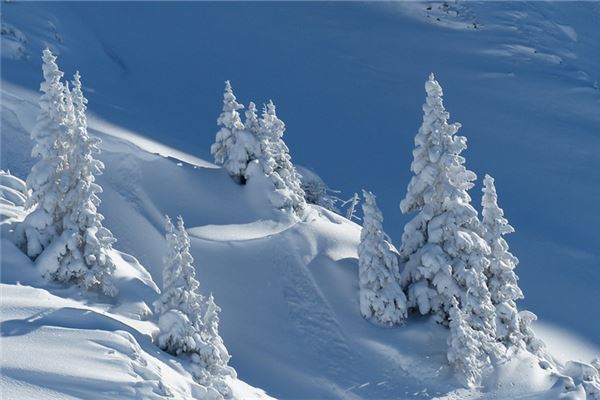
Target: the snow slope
(522, 84)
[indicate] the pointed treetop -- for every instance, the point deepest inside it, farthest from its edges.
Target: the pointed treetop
(48, 56)
(433, 88)
(493, 215)
(50, 68)
(251, 122)
(169, 227)
(229, 99)
(271, 109)
(228, 87)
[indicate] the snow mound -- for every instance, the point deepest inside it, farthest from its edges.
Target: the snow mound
(239, 232)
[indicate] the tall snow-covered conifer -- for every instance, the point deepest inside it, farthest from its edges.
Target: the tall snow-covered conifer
(443, 255)
(502, 280)
(85, 259)
(442, 252)
(234, 147)
(49, 134)
(278, 162)
(381, 298)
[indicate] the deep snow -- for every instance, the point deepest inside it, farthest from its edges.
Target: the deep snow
(522, 84)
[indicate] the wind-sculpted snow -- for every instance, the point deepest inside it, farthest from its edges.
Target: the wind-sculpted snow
(522, 80)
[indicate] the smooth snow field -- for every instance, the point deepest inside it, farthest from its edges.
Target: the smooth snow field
(523, 78)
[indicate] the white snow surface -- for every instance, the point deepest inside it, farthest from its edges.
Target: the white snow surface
(288, 290)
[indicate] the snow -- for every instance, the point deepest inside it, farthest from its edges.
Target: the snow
(288, 290)
(240, 232)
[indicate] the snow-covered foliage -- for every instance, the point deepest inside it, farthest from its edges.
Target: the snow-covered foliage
(188, 324)
(501, 278)
(213, 357)
(49, 134)
(251, 122)
(63, 192)
(316, 190)
(14, 190)
(442, 251)
(180, 290)
(381, 298)
(278, 162)
(234, 147)
(464, 347)
(88, 242)
(443, 255)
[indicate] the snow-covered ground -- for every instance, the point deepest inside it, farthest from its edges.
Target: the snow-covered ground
(519, 76)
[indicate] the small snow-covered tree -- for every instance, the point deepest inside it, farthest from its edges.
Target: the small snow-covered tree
(44, 223)
(278, 162)
(251, 122)
(234, 147)
(85, 260)
(502, 280)
(214, 355)
(179, 306)
(316, 191)
(188, 324)
(381, 298)
(180, 286)
(464, 347)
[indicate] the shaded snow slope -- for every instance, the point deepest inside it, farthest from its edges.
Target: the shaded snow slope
(288, 291)
(522, 83)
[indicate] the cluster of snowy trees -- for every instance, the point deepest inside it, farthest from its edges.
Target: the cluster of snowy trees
(255, 148)
(64, 229)
(451, 264)
(188, 321)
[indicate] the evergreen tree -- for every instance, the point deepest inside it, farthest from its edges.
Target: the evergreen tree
(85, 259)
(234, 147)
(180, 286)
(502, 280)
(214, 355)
(442, 252)
(278, 162)
(179, 306)
(251, 122)
(381, 298)
(464, 347)
(44, 223)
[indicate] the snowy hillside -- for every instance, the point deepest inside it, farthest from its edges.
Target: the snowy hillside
(519, 76)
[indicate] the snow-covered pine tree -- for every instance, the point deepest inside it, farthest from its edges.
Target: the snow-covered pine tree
(234, 147)
(278, 162)
(251, 122)
(442, 253)
(49, 134)
(381, 298)
(179, 306)
(85, 259)
(464, 347)
(214, 355)
(502, 280)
